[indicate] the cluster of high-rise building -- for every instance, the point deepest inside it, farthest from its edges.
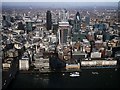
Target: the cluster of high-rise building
(79, 38)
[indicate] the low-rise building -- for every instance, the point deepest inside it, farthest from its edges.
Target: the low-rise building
(95, 55)
(24, 62)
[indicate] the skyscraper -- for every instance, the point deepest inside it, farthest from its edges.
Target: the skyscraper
(48, 20)
(64, 30)
(63, 15)
(77, 22)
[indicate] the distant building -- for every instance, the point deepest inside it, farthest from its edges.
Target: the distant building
(100, 26)
(6, 22)
(64, 15)
(55, 28)
(29, 26)
(87, 20)
(20, 26)
(48, 20)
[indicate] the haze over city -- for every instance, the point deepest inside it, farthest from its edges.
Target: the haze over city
(60, 1)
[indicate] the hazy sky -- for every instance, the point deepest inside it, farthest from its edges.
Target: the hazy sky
(59, 0)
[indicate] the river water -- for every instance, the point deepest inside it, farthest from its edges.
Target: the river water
(104, 78)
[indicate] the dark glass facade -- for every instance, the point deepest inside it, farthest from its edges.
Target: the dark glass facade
(48, 20)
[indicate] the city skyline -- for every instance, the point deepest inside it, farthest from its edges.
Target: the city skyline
(53, 43)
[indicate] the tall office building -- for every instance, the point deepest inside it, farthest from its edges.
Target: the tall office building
(64, 15)
(77, 22)
(4, 17)
(4, 23)
(63, 32)
(48, 20)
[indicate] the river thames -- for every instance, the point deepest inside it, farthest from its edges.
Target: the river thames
(89, 78)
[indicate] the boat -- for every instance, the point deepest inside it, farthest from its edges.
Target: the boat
(115, 69)
(74, 74)
(95, 73)
(63, 74)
